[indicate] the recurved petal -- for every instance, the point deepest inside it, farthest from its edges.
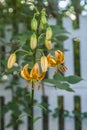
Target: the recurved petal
(40, 77)
(59, 56)
(35, 72)
(25, 73)
(51, 61)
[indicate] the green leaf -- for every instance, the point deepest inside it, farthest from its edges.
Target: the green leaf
(41, 106)
(59, 84)
(61, 38)
(59, 77)
(64, 86)
(22, 116)
(73, 79)
(57, 30)
(36, 119)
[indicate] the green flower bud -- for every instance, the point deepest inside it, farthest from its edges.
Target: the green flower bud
(33, 41)
(49, 33)
(34, 24)
(43, 19)
(42, 26)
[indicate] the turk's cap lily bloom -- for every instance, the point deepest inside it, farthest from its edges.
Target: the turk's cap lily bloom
(11, 60)
(59, 56)
(44, 63)
(34, 74)
(57, 61)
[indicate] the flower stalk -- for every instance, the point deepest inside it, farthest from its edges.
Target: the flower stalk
(43, 62)
(32, 104)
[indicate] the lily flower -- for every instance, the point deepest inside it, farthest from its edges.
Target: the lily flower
(34, 75)
(59, 56)
(57, 61)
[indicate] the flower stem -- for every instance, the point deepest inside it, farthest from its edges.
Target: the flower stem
(32, 103)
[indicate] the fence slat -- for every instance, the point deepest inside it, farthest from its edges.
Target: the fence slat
(45, 114)
(1, 115)
(61, 110)
(77, 109)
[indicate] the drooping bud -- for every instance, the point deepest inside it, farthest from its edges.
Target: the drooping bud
(49, 33)
(34, 24)
(44, 63)
(11, 60)
(42, 26)
(43, 19)
(48, 44)
(33, 41)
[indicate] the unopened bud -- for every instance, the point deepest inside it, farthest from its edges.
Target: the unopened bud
(48, 44)
(42, 26)
(43, 19)
(44, 63)
(34, 24)
(49, 33)
(11, 60)
(33, 41)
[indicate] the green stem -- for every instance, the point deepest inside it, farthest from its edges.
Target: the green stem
(32, 103)
(20, 50)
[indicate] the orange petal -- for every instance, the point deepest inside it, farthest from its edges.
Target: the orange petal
(59, 56)
(24, 73)
(35, 72)
(42, 76)
(51, 61)
(39, 86)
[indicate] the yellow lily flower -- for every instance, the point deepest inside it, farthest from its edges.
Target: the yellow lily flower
(34, 74)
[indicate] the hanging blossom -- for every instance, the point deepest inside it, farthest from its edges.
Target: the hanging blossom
(57, 61)
(34, 75)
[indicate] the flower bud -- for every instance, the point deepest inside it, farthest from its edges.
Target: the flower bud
(43, 19)
(33, 41)
(44, 63)
(42, 26)
(49, 33)
(48, 44)
(11, 60)
(34, 24)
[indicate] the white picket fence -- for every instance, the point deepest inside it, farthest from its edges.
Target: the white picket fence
(51, 92)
